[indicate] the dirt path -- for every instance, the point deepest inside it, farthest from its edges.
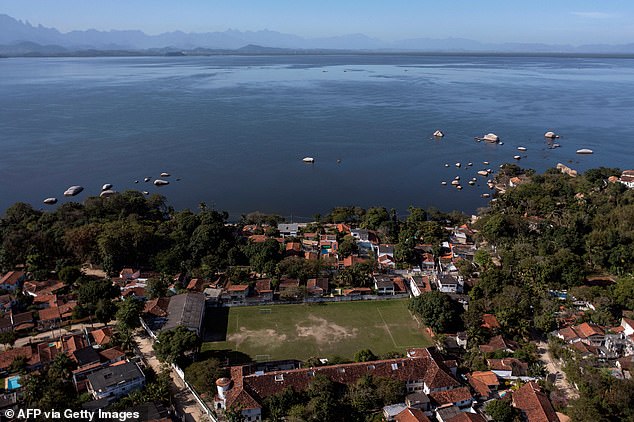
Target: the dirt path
(553, 367)
(183, 400)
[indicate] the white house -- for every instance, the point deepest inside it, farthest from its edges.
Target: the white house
(115, 381)
(449, 284)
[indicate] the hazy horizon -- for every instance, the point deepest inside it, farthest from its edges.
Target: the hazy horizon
(491, 21)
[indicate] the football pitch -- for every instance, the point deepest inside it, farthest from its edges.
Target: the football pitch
(275, 332)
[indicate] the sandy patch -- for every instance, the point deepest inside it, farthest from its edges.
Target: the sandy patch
(266, 337)
(325, 332)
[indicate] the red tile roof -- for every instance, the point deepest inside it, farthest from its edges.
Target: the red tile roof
(586, 330)
(157, 307)
(12, 278)
(419, 365)
(321, 283)
(263, 286)
(534, 403)
(50, 314)
(490, 321)
(102, 336)
(467, 417)
(411, 415)
(451, 396)
(516, 366)
(357, 291)
(8, 356)
(399, 285)
(196, 284)
(258, 238)
(237, 287)
(294, 247)
(498, 343)
(112, 353)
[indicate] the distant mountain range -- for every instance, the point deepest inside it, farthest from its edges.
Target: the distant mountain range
(19, 38)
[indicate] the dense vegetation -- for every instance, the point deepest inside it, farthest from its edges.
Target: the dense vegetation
(549, 233)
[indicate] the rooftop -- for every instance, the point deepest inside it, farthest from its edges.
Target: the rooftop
(113, 375)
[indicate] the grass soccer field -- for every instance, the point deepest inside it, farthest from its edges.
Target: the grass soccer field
(276, 332)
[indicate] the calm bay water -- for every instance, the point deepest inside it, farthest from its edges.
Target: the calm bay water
(234, 129)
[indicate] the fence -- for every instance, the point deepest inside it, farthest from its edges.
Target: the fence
(206, 410)
(318, 300)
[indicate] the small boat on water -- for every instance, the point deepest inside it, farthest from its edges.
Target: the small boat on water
(469, 164)
(521, 149)
(443, 183)
(73, 190)
(458, 165)
(145, 192)
(446, 164)
(147, 179)
(471, 182)
(160, 182)
(457, 178)
(50, 201)
(517, 157)
(486, 163)
(455, 182)
(164, 174)
(439, 134)
(107, 186)
(459, 187)
(483, 173)
(308, 159)
(551, 135)
(486, 195)
(584, 151)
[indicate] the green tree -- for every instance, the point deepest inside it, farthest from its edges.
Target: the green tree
(347, 246)
(437, 310)
(157, 286)
(69, 275)
(502, 411)
(203, 375)
(128, 313)
(364, 355)
(8, 338)
(105, 311)
(92, 291)
(172, 345)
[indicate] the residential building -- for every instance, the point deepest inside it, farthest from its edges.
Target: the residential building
(499, 343)
(236, 293)
(508, 368)
(411, 415)
(484, 383)
(590, 334)
(383, 284)
(421, 371)
(447, 283)
(627, 178)
(534, 404)
(419, 284)
(12, 280)
(115, 381)
(317, 286)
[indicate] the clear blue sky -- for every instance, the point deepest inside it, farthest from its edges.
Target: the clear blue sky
(547, 21)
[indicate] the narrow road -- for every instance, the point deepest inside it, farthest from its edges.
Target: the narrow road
(184, 401)
(553, 367)
(57, 333)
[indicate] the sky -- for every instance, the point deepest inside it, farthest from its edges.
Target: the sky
(541, 21)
